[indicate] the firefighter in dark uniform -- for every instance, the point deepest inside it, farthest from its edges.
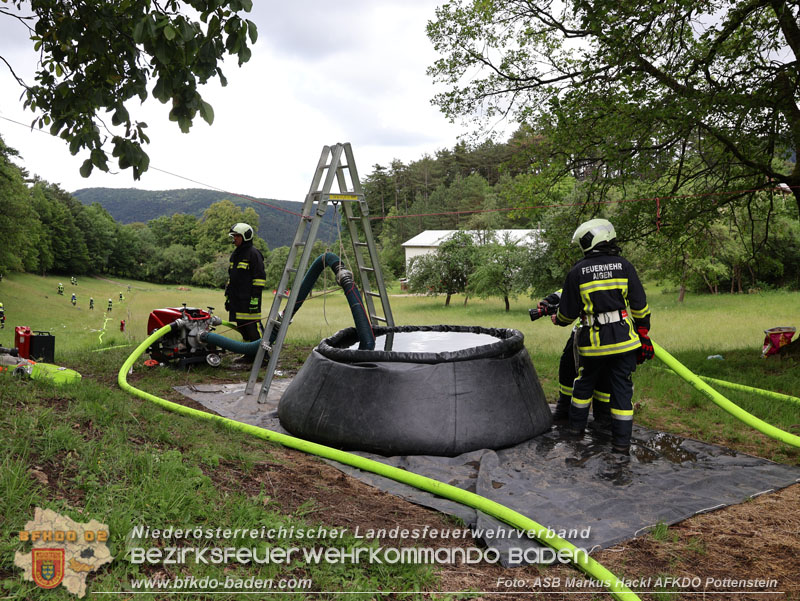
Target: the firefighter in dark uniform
(604, 291)
(246, 281)
(2, 316)
(567, 372)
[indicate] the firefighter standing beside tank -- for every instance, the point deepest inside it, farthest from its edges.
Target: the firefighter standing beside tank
(567, 371)
(604, 291)
(246, 281)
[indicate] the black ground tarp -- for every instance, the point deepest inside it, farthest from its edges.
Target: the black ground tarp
(560, 482)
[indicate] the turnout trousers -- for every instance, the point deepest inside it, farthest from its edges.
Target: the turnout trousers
(250, 329)
(567, 372)
(616, 370)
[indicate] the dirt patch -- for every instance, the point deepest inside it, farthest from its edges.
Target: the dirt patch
(759, 539)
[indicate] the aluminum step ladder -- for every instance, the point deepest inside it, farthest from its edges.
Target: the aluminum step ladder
(336, 165)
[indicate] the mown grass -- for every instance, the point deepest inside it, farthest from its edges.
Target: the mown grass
(91, 451)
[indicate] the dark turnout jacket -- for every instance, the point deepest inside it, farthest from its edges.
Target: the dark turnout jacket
(604, 290)
(246, 280)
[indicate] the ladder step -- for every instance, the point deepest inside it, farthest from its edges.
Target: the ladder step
(291, 270)
(367, 269)
(370, 293)
(361, 244)
(376, 318)
(299, 244)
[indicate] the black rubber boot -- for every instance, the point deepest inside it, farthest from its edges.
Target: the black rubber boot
(621, 449)
(601, 425)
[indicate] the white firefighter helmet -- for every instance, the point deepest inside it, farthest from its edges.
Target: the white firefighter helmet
(244, 230)
(591, 233)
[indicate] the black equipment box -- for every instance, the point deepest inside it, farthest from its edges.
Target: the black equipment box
(43, 347)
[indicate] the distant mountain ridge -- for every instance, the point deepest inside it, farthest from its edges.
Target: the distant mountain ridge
(130, 205)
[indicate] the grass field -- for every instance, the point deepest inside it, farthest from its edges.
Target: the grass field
(93, 452)
(727, 325)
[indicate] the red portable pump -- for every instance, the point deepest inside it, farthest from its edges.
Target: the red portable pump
(182, 345)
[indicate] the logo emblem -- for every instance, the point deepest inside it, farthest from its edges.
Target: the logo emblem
(48, 567)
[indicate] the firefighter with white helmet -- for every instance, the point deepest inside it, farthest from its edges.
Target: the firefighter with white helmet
(603, 290)
(246, 281)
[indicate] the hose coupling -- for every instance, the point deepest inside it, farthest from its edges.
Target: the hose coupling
(345, 278)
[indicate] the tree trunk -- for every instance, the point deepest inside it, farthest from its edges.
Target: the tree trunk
(466, 298)
(508, 306)
(447, 300)
(682, 292)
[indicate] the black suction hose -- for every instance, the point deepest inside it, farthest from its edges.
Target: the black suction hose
(344, 278)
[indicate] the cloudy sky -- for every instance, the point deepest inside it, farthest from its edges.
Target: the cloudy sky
(321, 73)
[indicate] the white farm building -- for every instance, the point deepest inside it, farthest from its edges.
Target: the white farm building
(429, 240)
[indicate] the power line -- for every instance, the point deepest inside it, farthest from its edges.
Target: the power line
(188, 179)
(657, 199)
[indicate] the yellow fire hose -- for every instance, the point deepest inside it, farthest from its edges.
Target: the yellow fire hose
(564, 548)
(724, 403)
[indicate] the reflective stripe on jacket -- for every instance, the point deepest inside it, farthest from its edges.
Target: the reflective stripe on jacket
(246, 280)
(602, 283)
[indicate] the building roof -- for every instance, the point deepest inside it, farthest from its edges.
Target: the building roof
(433, 238)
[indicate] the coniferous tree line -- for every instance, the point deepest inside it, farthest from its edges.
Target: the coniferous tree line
(714, 236)
(701, 242)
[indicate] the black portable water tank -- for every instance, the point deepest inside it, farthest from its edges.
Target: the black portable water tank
(410, 402)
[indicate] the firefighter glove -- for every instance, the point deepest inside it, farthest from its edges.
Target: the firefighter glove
(646, 351)
(253, 302)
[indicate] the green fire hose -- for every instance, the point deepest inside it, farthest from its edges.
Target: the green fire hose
(578, 558)
(741, 387)
(724, 403)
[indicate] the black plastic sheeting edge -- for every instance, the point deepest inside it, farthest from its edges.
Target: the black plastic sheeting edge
(509, 342)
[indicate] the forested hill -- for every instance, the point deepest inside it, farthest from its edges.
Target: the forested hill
(129, 205)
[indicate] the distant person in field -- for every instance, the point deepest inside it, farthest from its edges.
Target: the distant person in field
(91, 304)
(2, 316)
(74, 299)
(604, 291)
(61, 288)
(110, 305)
(246, 281)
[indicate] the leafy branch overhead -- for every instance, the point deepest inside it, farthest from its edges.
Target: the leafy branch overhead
(677, 91)
(95, 56)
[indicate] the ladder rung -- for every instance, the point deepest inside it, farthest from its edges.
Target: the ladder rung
(298, 244)
(376, 318)
(291, 270)
(367, 269)
(369, 293)
(361, 244)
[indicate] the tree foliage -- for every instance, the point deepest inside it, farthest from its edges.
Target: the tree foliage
(686, 96)
(499, 270)
(95, 57)
(446, 271)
